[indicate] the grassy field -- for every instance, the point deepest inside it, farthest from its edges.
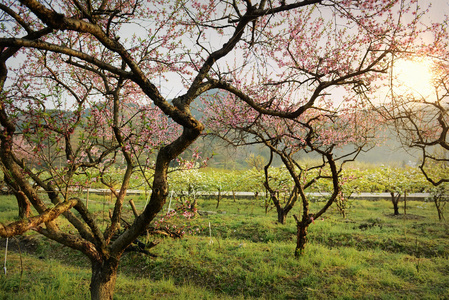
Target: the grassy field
(245, 254)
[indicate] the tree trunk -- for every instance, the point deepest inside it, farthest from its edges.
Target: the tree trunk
(405, 203)
(219, 197)
(437, 201)
(194, 205)
(104, 275)
(266, 204)
(395, 201)
(282, 215)
(396, 208)
(440, 215)
(301, 237)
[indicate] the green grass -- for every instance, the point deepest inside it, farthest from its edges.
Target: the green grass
(370, 255)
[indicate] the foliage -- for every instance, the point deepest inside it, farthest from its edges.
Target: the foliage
(88, 98)
(190, 181)
(256, 161)
(396, 180)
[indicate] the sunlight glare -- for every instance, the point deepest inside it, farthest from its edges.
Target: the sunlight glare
(414, 77)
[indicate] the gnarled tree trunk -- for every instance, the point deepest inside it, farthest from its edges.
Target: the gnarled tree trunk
(104, 276)
(301, 235)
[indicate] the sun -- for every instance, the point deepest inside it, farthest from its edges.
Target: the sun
(414, 77)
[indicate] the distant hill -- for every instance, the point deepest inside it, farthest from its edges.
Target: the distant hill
(224, 156)
(390, 152)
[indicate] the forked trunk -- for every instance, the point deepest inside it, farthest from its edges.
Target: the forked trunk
(395, 201)
(104, 276)
(283, 211)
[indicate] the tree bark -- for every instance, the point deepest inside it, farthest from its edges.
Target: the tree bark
(282, 215)
(395, 201)
(104, 276)
(24, 205)
(437, 200)
(133, 207)
(405, 203)
(22, 200)
(396, 208)
(218, 198)
(301, 236)
(19, 227)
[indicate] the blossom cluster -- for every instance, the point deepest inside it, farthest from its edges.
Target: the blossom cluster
(177, 219)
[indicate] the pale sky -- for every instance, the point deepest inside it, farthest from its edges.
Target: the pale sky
(438, 10)
(172, 88)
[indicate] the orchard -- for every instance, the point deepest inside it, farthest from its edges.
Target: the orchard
(115, 95)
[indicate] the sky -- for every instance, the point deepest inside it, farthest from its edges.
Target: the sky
(438, 9)
(173, 87)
